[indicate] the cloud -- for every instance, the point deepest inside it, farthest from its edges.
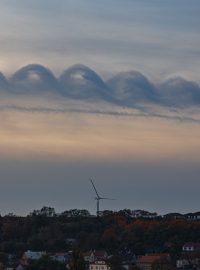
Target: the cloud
(132, 87)
(180, 92)
(80, 83)
(3, 82)
(33, 78)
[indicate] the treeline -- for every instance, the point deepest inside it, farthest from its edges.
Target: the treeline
(114, 232)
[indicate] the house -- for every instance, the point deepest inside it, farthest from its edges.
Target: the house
(143, 214)
(31, 255)
(147, 261)
(182, 263)
(61, 257)
(190, 247)
(193, 216)
(95, 255)
(99, 265)
(171, 216)
(189, 260)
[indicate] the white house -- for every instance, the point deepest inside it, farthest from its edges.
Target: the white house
(95, 255)
(34, 255)
(98, 265)
(191, 247)
(182, 263)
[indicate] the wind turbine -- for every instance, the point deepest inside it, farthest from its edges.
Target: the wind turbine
(98, 198)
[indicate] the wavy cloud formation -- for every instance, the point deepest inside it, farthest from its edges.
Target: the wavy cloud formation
(32, 79)
(128, 89)
(180, 92)
(81, 82)
(3, 82)
(132, 87)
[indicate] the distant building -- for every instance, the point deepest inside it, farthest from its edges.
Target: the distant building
(143, 214)
(189, 247)
(61, 257)
(147, 261)
(31, 255)
(193, 216)
(174, 216)
(99, 265)
(182, 263)
(189, 260)
(95, 255)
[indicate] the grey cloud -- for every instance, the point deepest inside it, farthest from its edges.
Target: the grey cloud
(33, 78)
(131, 87)
(81, 82)
(180, 92)
(126, 89)
(141, 112)
(3, 82)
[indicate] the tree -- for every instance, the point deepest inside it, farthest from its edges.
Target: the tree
(115, 262)
(44, 211)
(45, 263)
(3, 258)
(77, 262)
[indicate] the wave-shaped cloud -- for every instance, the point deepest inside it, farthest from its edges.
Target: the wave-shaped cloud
(132, 87)
(3, 82)
(179, 92)
(32, 79)
(79, 82)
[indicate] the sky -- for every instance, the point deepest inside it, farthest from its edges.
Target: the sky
(51, 146)
(159, 38)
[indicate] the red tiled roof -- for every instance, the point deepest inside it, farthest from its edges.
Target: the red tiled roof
(151, 258)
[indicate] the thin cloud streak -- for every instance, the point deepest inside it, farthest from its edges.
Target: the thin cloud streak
(145, 114)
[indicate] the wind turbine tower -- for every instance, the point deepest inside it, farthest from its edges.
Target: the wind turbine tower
(98, 198)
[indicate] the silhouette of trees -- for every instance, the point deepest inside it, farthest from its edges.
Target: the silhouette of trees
(112, 231)
(77, 262)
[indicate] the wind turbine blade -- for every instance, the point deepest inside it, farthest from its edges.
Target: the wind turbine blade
(94, 188)
(101, 198)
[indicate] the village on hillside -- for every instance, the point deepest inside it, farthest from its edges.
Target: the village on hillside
(75, 239)
(189, 258)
